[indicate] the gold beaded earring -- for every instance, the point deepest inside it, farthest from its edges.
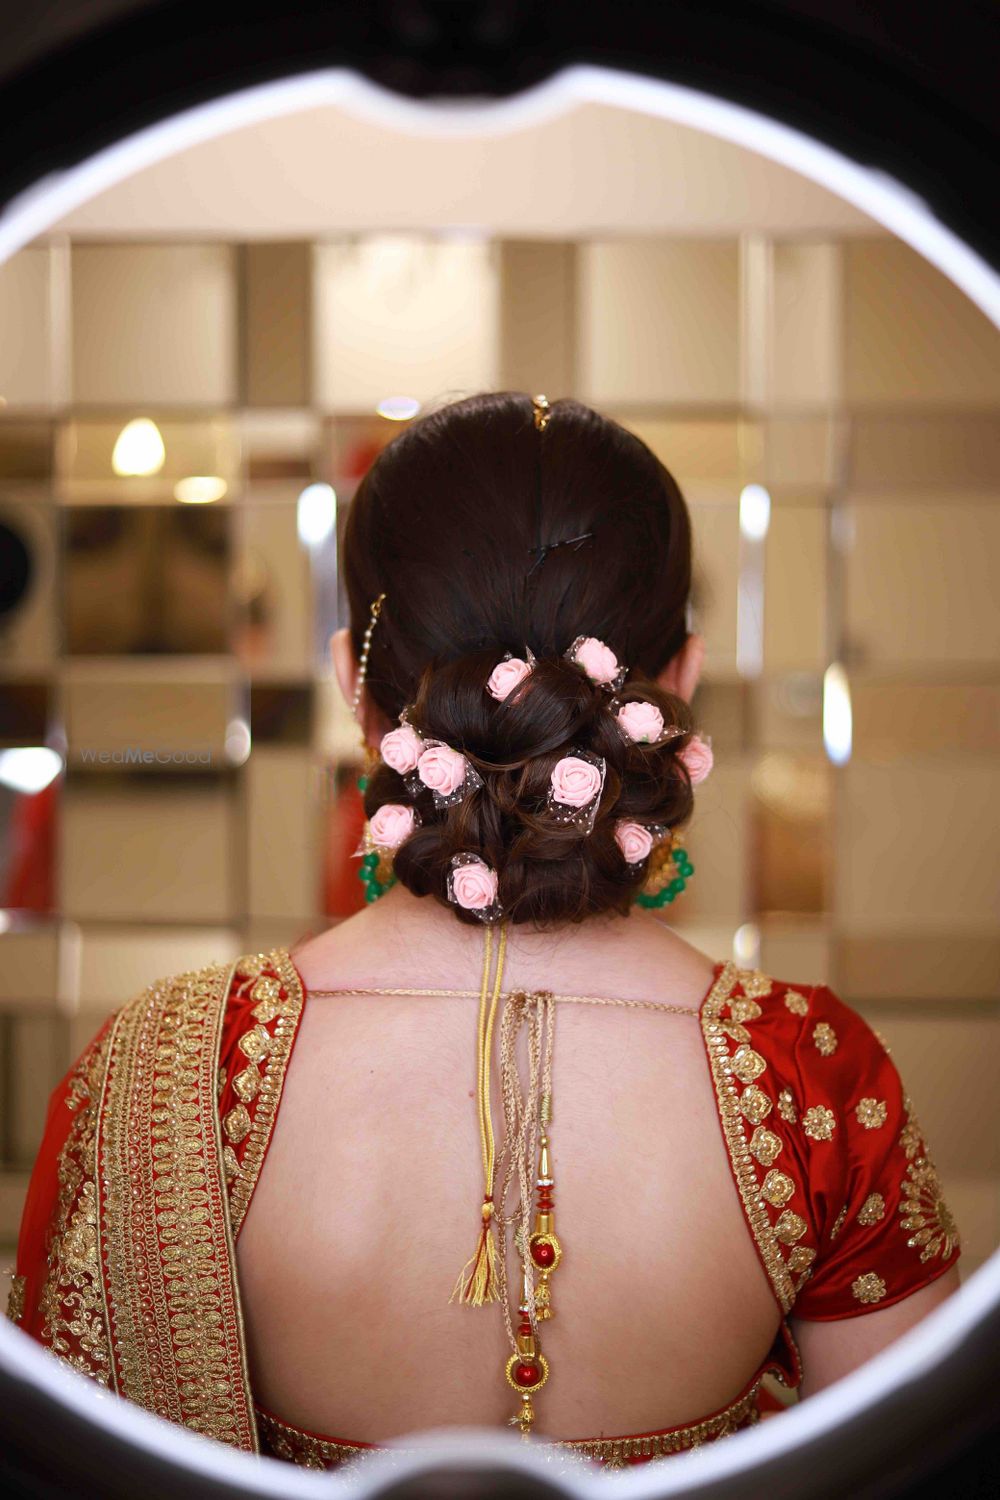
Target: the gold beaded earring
(359, 687)
(375, 873)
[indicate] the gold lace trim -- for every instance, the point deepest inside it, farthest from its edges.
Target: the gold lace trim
(15, 1298)
(74, 1315)
(744, 1065)
(178, 1332)
(309, 1452)
(301, 1448)
(268, 1073)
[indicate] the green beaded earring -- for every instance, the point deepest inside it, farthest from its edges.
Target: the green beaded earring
(376, 873)
(664, 885)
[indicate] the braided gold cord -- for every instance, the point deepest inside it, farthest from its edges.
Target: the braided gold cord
(431, 994)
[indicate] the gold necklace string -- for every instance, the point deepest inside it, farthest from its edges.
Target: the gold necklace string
(524, 1118)
(432, 994)
(477, 1281)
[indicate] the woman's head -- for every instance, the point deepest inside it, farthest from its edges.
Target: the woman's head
(489, 536)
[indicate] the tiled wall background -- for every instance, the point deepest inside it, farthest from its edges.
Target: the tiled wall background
(847, 377)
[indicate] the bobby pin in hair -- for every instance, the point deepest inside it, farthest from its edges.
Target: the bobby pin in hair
(572, 541)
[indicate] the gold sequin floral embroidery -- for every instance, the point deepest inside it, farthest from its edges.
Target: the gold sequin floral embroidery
(765, 1145)
(926, 1217)
(796, 1003)
(825, 1038)
(871, 1113)
(256, 1043)
(754, 1104)
(744, 1010)
(819, 1123)
(790, 1227)
(872, 1210)
(800, 1259)
(753, 983)
(786, 1106)
(838, 1223)
(868, 1288)
(736, 1030)
(237, 1124)
(777, 1188)
(911, 1136)
(747, 1064)
(246, 1085)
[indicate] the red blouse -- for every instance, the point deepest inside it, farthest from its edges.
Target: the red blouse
(838, 1192)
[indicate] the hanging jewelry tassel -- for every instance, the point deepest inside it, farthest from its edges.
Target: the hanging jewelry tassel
(544, 1247)
(477, 1282)
(526, 1369)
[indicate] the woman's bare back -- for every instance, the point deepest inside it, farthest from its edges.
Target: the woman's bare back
(369, 1199)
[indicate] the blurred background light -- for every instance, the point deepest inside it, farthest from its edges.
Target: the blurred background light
(746, 945)
(29, 769)
(139, 449)
(398, 408)
(316, 516)
(755, 512)
(238, 742)
(200, 489)
(837, 721)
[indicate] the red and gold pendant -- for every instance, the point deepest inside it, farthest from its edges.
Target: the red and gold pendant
(543, 1246)
(527, 1369)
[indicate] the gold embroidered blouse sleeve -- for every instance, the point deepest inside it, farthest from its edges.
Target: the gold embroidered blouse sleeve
(263, 1011)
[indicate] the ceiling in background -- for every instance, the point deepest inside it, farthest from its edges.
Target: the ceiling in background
(597, 169)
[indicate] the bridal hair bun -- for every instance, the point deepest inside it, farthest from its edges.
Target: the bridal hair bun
(548, 812)
(535, 585)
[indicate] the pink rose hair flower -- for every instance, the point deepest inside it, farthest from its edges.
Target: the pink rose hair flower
(598, 660)
(442, 770)
(575, 782)
(400, 749)
(391, 825)
(506, 676)
(642, 723)
(633, 840)
(697, 757)
(472, 885)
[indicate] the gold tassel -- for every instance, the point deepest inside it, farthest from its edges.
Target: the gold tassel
(477, 1281)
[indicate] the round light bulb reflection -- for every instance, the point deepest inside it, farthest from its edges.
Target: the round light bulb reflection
(398, 408)
(139, 449)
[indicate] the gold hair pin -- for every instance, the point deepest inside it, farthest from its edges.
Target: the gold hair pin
(542, 410)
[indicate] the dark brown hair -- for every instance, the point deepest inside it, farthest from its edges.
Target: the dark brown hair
(469, 522)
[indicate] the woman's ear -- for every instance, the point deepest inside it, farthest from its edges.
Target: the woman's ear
(680, 675)
(345, 663)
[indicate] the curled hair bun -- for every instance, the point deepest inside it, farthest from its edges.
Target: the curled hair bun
(548, 871)
(485, 532)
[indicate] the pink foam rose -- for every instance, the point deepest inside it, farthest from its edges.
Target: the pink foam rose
(598, 660)
(401, 749)
(697, 756)
(505, 677)
(442, 769)
(633, 840)
(575, 782)
(642, 722)
(474, 886)
(391, 825)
